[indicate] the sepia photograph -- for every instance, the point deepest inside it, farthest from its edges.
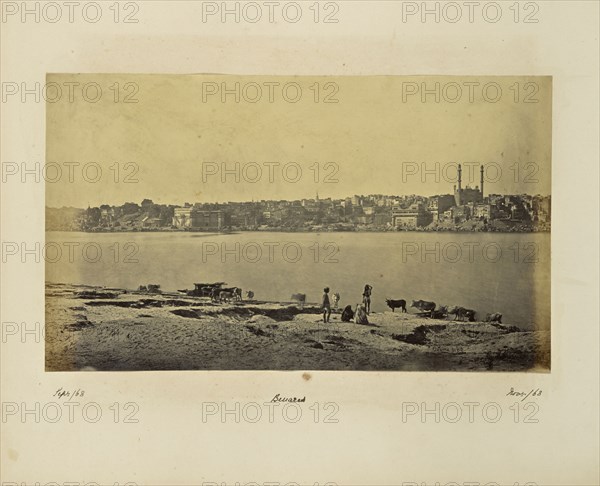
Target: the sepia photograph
(299, 243)
(357, 223)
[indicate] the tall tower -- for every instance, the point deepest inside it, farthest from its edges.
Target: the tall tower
(458, 194)
(481, 171)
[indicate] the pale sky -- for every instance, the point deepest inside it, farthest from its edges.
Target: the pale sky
(377, 138)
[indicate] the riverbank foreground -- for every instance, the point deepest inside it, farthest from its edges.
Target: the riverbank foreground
(99, 329)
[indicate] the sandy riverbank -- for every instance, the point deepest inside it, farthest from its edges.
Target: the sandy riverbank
(111, 330)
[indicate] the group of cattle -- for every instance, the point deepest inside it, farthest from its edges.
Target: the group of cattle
(218, 293)
(426, 308)
(231, 294)
(429, 309)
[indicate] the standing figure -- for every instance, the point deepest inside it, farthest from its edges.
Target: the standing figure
(367, 298)
(336, 300)
(325, 305)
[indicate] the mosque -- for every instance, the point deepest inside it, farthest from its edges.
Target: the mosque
(468, 194)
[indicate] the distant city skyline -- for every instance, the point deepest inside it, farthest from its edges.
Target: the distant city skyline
(374, 211)
(372, 140)
(324, 197)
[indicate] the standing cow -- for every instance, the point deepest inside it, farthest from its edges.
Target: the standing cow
(226, 296)
(300, 298)
(424, 306)
(462, 314)
(396, 304)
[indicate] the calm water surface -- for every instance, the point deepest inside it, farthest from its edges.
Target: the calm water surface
(507, 273)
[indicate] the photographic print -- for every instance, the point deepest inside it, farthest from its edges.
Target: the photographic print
(356, 223)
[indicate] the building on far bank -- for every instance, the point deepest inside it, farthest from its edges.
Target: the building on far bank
(416, 215)
(541, 207)
(460, 214)
(483, 211)
(183, 218)
(194, 218)
(438, 205)
(211, 219)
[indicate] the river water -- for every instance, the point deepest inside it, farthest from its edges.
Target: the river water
(488, 272)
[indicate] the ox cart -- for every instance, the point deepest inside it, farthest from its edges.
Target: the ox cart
(205, 289)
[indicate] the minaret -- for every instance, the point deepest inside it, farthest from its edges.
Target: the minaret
(459, 191)
(481, 171)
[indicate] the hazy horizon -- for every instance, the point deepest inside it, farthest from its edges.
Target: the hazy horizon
(372, 140)
(324, 197)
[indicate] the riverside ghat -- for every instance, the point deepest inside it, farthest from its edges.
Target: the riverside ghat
(108, 329)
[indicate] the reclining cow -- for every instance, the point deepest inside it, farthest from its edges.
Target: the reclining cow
(440, 313)
(466, 314)
(495, 317)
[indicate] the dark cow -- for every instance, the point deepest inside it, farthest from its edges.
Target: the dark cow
(468, 314)
(495, 317)
(249, 294)
(424, 306)
(440, 313)
(453, 309)
(462, 314)
(396, 304)
(154, 288)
